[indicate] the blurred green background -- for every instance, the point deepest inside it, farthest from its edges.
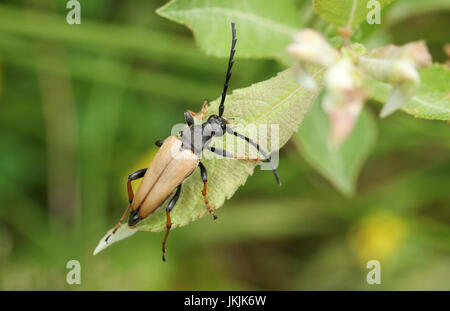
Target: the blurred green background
(81, 107)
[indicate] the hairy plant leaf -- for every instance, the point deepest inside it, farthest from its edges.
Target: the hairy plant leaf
(279, 100)
(264, 28)
(340, 166)
(432, 99)
(338, 12)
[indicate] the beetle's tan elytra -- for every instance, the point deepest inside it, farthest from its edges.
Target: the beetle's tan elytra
(178, 157)
(169, 168)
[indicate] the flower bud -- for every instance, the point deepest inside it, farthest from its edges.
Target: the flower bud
(311, 47)
(343, 99)
(305, 79)
(398, 66)
(406, 80)
(416, 52)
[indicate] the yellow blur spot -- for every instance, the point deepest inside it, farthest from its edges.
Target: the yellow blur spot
(377, 236)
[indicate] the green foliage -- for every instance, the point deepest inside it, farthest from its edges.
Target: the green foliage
(213, 17)
(130, 75)
(431, 101)
(263, 103)
(405, 9)
(115, 45)
(339, 165)
(338, 12)
(264, 28)
(279, 100)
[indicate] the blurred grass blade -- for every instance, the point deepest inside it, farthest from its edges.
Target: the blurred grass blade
(431, 101)
(264, 28)
(279, 100)
(340, 166)
(157, 46)
(157, 82)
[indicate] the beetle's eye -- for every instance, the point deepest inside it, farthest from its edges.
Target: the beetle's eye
(223, 123)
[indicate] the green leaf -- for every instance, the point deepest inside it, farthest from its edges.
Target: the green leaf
(340, 166)
(432, 99)
(279, 100)
(406, 9)
(338, 12)
(264, 28)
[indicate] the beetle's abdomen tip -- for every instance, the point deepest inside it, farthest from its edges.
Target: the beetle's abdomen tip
(134, 219)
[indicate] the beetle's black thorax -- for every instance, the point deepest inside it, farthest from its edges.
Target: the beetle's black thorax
(192, 139)
(198, 136)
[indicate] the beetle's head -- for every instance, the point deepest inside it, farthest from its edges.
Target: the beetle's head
(216, 125)
(134, 218)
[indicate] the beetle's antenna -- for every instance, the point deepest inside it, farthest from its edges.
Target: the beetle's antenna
(265, 154)
(230, 64)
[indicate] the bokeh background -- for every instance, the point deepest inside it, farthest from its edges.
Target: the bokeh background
(81, 107)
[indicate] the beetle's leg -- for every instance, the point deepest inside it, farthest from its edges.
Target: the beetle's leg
(246, 158)
(169, 208)
(204, 174)
(133, 176)
(188, 117)
(268, 157)
(202, 113)
(221, 152)
(227, 154)
(204, 107)
(159, 142)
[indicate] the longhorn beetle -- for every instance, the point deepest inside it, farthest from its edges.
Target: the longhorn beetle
(178, 157)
